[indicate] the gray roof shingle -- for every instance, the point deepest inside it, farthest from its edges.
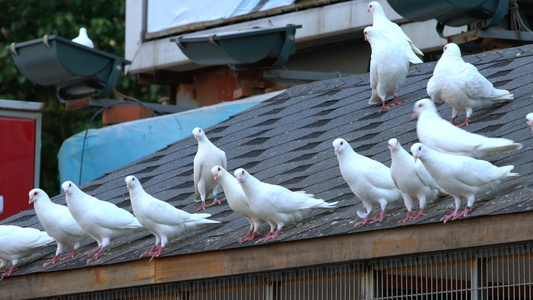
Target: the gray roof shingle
(287, 140)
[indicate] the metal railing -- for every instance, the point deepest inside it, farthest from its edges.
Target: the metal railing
(501, 272)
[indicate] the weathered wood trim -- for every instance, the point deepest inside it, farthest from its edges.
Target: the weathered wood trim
(405, 240)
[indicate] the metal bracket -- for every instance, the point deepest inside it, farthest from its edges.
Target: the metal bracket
(212, 40)
(45, 41)
(13, 49)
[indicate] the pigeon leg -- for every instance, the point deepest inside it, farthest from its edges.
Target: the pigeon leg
(463, 213)
(383, 107)
(53, 261)
(266, 238)
(71, 254)
(158, 252)
(151, 251)
(380, 218)
(97, 255)
(420, 214)
(407, 218)
(465, 123)
(446, 218)
(215, 201)
(97, 249)
(203, 206)
(247, 237)
(396, 102)
(364, 221)
(11, 270)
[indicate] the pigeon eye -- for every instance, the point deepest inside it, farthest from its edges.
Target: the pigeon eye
(242, 172)
(133, 179)
(35, 193)
(342, 143)
(69, 185)
(219, 169)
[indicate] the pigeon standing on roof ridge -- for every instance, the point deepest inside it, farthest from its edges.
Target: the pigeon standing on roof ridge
(412, 179)
(277, 205)
(393, 32)
(460, 176)
(58, 223)
(102, 220)
(237, 201)
(83, 38)
(207, 156)
(162, 219)
(18, 242)
(443, 136)
(389, 66)
(460, 85)
(529, 120)
(368, 179)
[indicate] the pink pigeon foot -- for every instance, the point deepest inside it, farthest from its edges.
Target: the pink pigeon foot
(380, 218)
(150, 251)
(364, 221)
(96, 256)
(157, 253)
(384, 107)
(407, 218)
(446, 218)
(11, 270)
(97, 249)
(216, 201)
(396, 102)
(420, 214)
(72, 254)
(250, 236)
(53, 261)
(465, 123)
(269, 236)
(463, 213)
(203, 206)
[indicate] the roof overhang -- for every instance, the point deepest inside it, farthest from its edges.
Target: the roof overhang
(403, 240)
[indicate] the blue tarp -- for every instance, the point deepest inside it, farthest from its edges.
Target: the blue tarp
(111, 147)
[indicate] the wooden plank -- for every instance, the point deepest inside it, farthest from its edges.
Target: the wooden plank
(404, 240)
(88, 279)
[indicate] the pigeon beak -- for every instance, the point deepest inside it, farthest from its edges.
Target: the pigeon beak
(30, 201)
(336, 151)
(414, 114)
(239, 179)
(415, 157)
(128, 184)
(215, 176)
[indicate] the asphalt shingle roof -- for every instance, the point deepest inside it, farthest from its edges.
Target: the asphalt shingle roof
(287, 140)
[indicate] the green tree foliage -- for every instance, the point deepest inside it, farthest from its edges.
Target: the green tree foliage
(24, 20)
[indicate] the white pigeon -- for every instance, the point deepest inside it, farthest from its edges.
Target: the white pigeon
(102, 220)
(18, 242)
(529, 120)
(368, 179)
(162, 219)
(277, 205)
(460, 84)
(389, 66)
(58, 223)
(83, 38)
(412, 179)
(393, 32)
(443, 136)
(207, 156)
(237, 201)
(460, 176)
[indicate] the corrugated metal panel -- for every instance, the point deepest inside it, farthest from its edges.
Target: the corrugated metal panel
(492, 273)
